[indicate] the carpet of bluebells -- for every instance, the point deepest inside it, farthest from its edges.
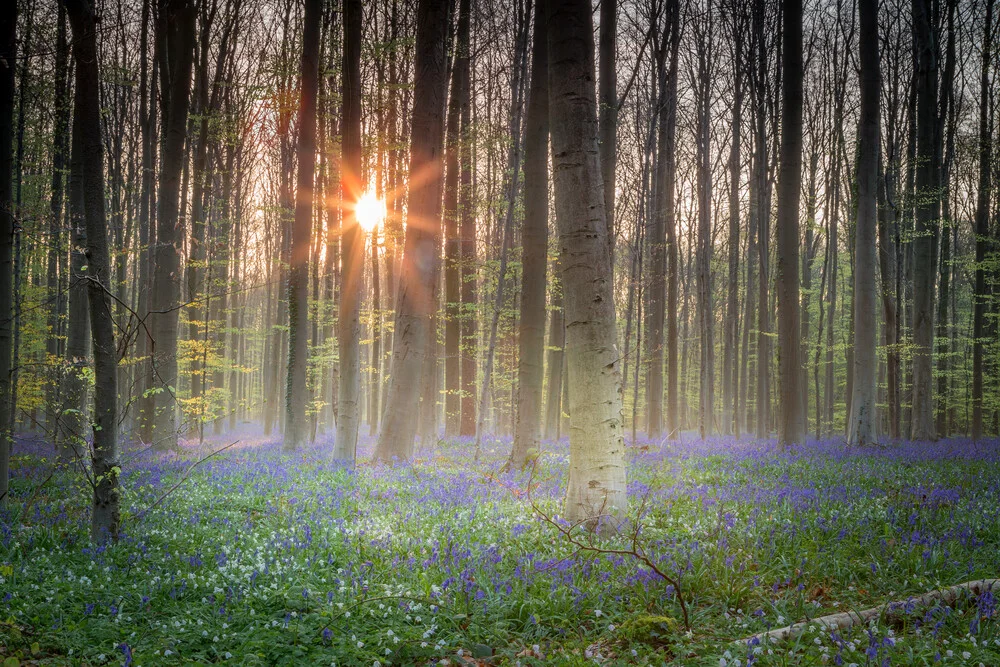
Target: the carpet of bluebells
(265, 558)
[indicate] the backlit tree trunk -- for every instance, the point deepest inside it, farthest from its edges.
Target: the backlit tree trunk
(597, 449)
(416, 289)
(352, 240)
(297, 395)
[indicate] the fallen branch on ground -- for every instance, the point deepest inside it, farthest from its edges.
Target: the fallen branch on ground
(848, 619)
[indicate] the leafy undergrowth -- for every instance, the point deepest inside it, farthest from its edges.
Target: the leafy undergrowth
(263, 558)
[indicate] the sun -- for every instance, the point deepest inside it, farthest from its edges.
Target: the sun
(369, 211)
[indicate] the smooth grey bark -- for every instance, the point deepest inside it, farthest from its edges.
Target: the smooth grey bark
(534, 255)
(927, 175)
(352, 240)
(174, 35)
(106, 514)
(297, 393)
(863, 426)
(596, 485)
(415, 291)
(554, 361)
(792, 428)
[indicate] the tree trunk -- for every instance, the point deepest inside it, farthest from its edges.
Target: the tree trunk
(104, 451)
(174, 35)
(662, 239)
(596, 484)
(352, 240)
(792, 430)
(56, 253)
(8, 52)
(534, 244)
(730, 366)
(706, 314)
(297, 394)
(467, 228)
(416, 288)
(946, 127)
(981, 294)
(453, 242)
(887, 268)
(863, 427)
(557, 343)
(925, 230)
(608, 112)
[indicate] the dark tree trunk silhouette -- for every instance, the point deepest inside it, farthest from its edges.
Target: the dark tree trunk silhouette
(106, 515)
(174, 37)
(925, 53)
(297, 393)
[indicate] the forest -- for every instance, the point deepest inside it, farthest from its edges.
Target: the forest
(499, 332)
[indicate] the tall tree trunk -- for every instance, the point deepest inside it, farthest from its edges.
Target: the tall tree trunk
(608, 111)
(983, 241)
(416, 288)
(663, 242)
(887, 267)
(71, 439)
(863, 427)
(197, 324)
(731, 423)
(352, 240)
(706, 314)
(105, 516)
(297, 394)
(946, 128)
(596, 483)
(8, 53)
(792, 429)
(174, 35)
(60, 133)
(534, 244)
(925, 54)
(555, 362)
(453, 242)
(467, 228)
(147, 231)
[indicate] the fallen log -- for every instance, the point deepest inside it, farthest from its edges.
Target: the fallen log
(848, 619)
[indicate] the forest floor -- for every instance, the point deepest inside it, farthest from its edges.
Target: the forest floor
(265, 558)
